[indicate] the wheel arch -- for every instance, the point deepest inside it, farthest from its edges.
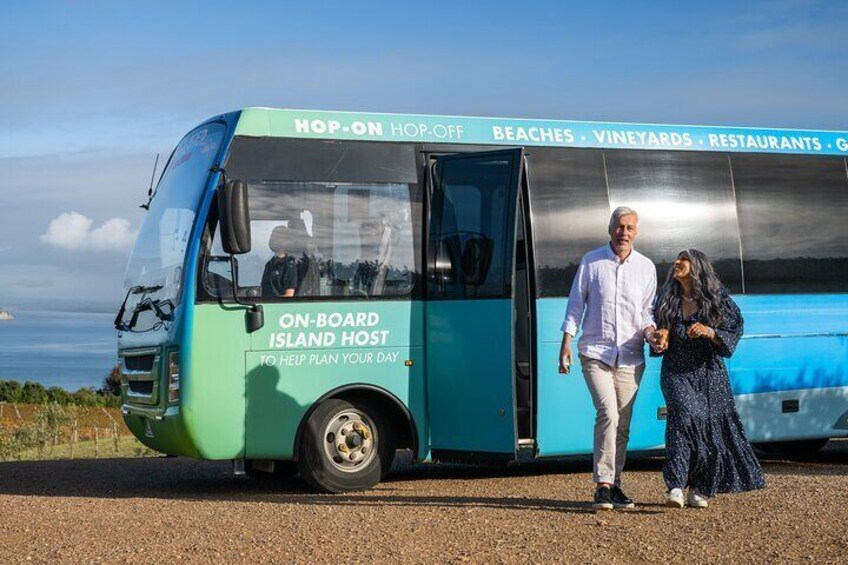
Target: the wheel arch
(401, 418)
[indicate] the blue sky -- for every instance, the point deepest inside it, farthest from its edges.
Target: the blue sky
(93, 90)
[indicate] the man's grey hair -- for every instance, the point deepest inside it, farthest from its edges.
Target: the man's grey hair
(618, 213)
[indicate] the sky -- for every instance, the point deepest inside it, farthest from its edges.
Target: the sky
(93, 90)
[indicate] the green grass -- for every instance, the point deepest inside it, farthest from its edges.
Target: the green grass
(128, 446)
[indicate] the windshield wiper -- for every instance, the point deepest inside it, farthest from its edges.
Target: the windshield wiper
(154, 305)
(119, 319)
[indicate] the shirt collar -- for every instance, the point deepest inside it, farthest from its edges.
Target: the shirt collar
(613, 257)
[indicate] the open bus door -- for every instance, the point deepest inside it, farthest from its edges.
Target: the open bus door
(469, 311)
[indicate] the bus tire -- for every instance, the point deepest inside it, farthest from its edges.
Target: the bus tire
(345, 447)
(790, 449)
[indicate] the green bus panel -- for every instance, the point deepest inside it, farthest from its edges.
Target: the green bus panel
(469, 366)
(212, 385)
(306, 351)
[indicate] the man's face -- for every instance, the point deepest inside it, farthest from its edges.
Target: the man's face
(623, 234)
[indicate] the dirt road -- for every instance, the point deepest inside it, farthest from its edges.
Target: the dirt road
(177, 510)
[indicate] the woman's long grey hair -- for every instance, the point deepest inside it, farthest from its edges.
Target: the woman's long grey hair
(706, 290)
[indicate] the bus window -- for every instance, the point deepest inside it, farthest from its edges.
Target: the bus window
(350, 213)
(791, 210)
(684, 200)
(472, 225)
(327, 240)
(570, 212)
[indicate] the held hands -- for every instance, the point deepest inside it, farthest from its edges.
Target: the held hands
(658, 340)
(698, 329)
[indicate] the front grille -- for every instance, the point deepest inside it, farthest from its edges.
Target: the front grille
(141, 387)
(140, 376)
(139, 362)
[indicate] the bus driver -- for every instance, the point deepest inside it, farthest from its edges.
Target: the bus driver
(280, 276)
(612, 298)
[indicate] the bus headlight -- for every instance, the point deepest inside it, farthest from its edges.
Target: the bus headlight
(174, 376)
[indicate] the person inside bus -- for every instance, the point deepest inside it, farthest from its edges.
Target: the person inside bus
(699, 325)
(280, 277)
(611, 298)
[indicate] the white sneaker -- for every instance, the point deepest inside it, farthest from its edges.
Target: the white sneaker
(674, 498)
(695, 499)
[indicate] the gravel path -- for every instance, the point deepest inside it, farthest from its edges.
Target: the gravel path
(178, 510)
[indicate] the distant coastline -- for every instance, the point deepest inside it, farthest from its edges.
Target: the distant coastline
(6, 315)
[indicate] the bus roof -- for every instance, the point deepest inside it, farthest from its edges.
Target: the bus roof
(363, 126)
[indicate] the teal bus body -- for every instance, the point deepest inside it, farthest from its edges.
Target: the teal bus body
(201, 385)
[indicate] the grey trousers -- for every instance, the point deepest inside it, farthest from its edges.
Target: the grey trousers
(613, 392)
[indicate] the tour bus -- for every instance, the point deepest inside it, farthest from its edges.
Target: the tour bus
(427, 262)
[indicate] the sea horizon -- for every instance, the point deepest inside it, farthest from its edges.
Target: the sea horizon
(69, 349)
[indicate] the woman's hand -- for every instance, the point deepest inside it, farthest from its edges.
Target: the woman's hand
(698, 329)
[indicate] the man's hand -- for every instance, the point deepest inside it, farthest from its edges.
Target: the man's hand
(565, 361)
(565, 355)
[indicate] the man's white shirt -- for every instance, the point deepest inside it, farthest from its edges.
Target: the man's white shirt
(617, 298)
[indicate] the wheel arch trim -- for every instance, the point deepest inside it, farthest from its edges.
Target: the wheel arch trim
(358, 387)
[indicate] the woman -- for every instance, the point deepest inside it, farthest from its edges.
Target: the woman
(706, 447)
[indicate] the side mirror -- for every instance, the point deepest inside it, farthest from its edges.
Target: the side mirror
(476, 260)
(234, 217)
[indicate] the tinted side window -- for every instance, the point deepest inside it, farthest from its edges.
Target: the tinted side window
(570, 211)
(473, 225)
(684, 200)
(321, 161)
(791, 212)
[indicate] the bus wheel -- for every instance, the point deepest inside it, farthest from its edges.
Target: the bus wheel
(789, 449)
(345, 447)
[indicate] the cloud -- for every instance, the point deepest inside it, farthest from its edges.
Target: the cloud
(72, 230)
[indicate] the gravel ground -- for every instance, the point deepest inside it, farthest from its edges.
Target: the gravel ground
(178, 510)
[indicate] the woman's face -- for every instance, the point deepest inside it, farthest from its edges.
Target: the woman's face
(682, 268)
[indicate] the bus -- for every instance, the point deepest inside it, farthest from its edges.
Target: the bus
(311, 291)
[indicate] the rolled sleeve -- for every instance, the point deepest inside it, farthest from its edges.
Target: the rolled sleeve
(576, 301)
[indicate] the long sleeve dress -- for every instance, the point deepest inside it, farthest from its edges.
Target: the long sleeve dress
(706, 447)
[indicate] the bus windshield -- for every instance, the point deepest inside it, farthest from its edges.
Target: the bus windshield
(159, 252)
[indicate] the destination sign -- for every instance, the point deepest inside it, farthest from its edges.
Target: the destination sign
(262, 122)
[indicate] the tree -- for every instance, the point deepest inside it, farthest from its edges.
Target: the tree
(112, 382)
(10, 391)
(85, 397)
(33, 393)
(58, 395)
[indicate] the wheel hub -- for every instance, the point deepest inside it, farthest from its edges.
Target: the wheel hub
(350, 441)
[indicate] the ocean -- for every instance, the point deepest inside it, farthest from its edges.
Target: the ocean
(66, 349)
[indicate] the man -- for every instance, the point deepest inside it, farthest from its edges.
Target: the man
(280, 276)
(612, 297)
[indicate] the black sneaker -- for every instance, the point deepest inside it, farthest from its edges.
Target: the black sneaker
(603, 499)
(619, 499)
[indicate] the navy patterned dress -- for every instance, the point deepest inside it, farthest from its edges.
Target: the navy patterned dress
(706, 447)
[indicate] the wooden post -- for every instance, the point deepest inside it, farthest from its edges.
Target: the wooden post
(115, 434)
(74, 435)
(95, 443)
